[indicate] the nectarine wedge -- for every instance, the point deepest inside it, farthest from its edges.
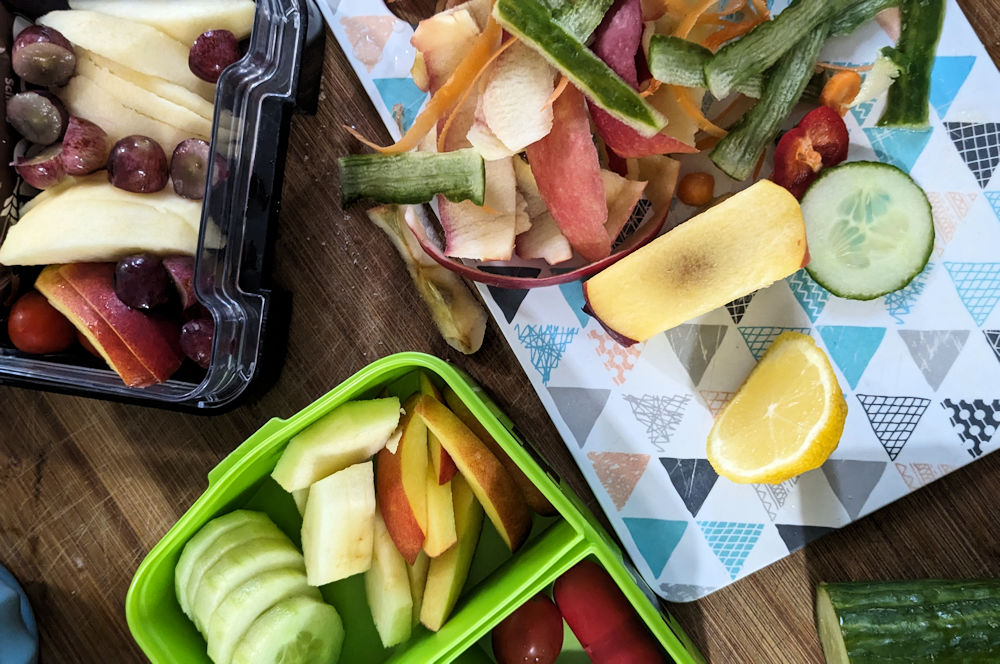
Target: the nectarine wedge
(444, 467)
(401, 484)
(440, 516)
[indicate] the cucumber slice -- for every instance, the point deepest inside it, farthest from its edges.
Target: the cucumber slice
(237, 612)
(869, 228)
(228, 541)
(298, 630)
(236, 567)
(201, 542)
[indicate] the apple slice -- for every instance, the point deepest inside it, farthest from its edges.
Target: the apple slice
(532, 494)
(400, 480)
(444, 467)
(490, 482)
(142, 47)
(628, 142)
(417, 574)
(387, 587)
(184, 20)
(349, 434)
(515, 97)
(301, 497)
(442, 41)
(566, 168)
(622, 195)
(747, 242)
(339, 525)
(441, 534)
(660, 174)
(484, 233)
(447, 573)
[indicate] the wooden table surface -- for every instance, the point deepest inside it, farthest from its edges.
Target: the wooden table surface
(88, 487)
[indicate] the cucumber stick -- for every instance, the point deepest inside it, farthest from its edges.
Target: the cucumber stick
(869, 228)
(579, 17)
(681, 62)
(907, 102)
(738, 152)
(532, 21)
(413, 177)
(904, 622)
(859, 13)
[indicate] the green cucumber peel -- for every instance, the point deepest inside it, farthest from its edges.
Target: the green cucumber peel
(908, 101)
(411, 178)
(853, 17)
(681, 62)
(579, 17)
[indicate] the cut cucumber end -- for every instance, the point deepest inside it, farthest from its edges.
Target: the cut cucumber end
(828, 627)
(869, 227)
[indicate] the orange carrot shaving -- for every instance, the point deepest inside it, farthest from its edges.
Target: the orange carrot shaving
(557, 92)
(760, 165)
(729, 9)
(691, 19)
(652, 88)
(687, 105)
(732, 31)
(840, 91)
(835, 67)
(465, 94)
(458, 84)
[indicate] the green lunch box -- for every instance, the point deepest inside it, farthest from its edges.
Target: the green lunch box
(498, 582)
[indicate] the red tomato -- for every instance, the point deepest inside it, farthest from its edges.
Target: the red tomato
(602, 618)
(819, 140)
(36, 327)
(533, 634)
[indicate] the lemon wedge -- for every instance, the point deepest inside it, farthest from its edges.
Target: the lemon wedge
(786, 418)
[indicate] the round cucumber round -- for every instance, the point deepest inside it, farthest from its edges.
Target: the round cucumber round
(298, 630)
(869, 228)
(201, 542)
(236, 567)
(241, 607)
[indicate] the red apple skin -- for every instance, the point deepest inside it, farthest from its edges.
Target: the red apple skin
(617, 336)
(395, 507)
(154, 341)
(93, 330)
(629, 143)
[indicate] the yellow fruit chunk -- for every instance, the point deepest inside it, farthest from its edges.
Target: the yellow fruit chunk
(786, 418)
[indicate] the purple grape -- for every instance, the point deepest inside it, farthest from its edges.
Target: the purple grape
(38, 116)
(211, 53)
(189, 168)
(196, 340)
(142, 282)
(138, 164)
(43, 56)
(44, 169)
(85, 147)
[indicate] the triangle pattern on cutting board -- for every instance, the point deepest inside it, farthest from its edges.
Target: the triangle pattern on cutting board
(934, 351)
(795, 537)
(656, 539)
(947, 78)
(695, 346)
(978, 143)
(660, 414)
(731, 542)
(759, 339)
(975, 422)
(809, 294)
(693, 480)
(619, 472)
(580, 407)
(853, 481)
(978, 286)
(893, 419)
(852, 348)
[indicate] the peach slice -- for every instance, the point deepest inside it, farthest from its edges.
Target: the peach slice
(745, 243)
(444, 467)
(532, 494)
(489, 480)
(440, 516)
(401, 483)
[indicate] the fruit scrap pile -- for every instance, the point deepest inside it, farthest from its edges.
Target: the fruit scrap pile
(396, 494)
(110, 90)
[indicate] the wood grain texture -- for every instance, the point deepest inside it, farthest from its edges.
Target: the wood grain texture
(88, 487)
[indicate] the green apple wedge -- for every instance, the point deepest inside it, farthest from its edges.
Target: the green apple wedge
(387, 587)
(347, 435)
(447, 573)
(417, 573)
(339, 525)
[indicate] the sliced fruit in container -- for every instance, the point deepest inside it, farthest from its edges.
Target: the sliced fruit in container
(401, 484)
(441, 534)
(43, 56)
(39, 117)
(35, 326)
(785, 419)
(870, 229)
(181, 19)
(747, 242)
(387, 589)
(443, 466)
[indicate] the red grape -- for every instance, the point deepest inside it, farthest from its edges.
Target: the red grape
(36, 327)
(43, 56)
(532, 634)
(85, 147)
(189, 168)
(211, 53)
(44, 169)
(142, 282)
(196, 340)
(138, 164)
(38, 116)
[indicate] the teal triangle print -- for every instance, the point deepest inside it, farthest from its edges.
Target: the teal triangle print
(810, 295)
(402, 97)
(795, 537)
(899, 147)
(900, 303)
(993, 339)
(546, 345)
(975, 422)
(852, 348)
(695, 346)
(978, 285)
(573, 294)
(580, 407)
(759, 339)
(947, 77)
(893, 419)
(656, 539)
(693, 480)
(853, 482)
(861, 112)
(731, 542)
(979, 146)
(934, 351)
(994, 198)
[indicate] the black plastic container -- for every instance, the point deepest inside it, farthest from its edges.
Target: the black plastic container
(254, 103)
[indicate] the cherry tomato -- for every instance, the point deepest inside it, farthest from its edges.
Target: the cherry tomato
(818, 141)
(36, 327)
(533, 634)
